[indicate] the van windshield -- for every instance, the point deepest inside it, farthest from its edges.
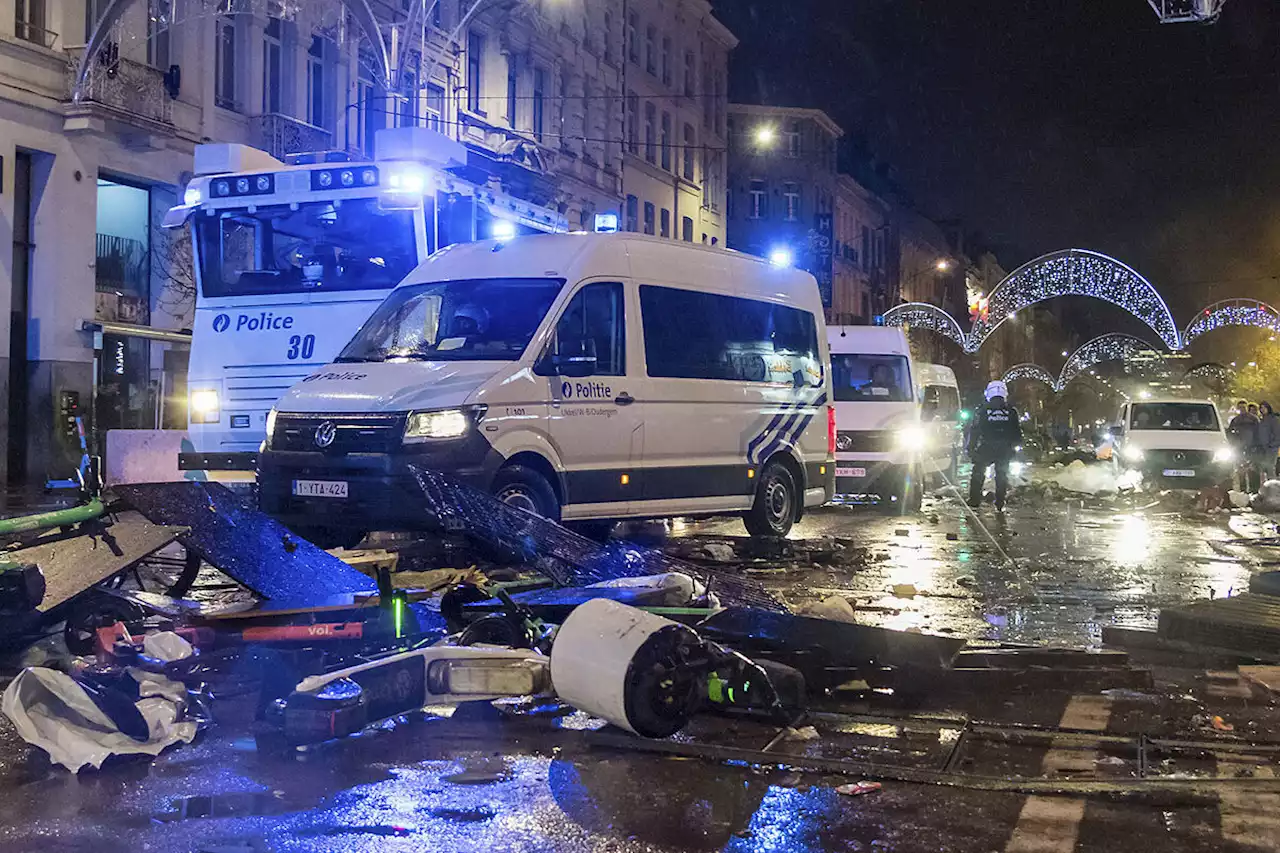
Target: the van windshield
(1185, 416)
(489, 319)
(874, 378)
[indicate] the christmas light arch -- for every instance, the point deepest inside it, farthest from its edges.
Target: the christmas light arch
(1076, 272)
(1232, 312)
(1208, 370)
(921, 315)
(1032, 372)
(1111, 347)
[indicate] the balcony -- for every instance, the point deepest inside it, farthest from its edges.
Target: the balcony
(279, 135)
(117, 89)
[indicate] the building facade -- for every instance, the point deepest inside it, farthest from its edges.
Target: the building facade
(611, 106)
(782, 187)
(862, 256)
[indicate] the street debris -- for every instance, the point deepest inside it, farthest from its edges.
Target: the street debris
(857, 789)
(1222, 725)
(835, 607)
(82, 721)
(905, 590)
(805, 733)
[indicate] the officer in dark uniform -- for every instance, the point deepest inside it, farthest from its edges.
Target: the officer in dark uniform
(993, 440)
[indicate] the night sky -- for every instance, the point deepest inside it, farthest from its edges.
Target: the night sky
(1049, 124)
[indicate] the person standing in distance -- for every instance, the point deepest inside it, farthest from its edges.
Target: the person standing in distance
(993, 440)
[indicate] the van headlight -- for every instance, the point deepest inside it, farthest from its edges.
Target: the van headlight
(1224, 455)
(206, 408)
(1131, 454)
(910, 438)
(445, 423)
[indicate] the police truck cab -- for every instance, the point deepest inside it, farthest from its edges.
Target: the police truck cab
(578, 376)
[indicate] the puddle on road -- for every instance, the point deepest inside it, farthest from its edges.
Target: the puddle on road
(228, 805)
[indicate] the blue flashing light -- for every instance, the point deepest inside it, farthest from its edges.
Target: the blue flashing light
(503, 230)
(407, 179)
(781, 256)
(606, 223)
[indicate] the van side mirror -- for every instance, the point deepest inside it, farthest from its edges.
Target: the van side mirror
(1117, 430)
(575, 358)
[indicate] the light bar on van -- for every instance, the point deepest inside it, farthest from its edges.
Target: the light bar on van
(407, 179)
(192, 195)
(246, 185)
(781, 257)
(344, 179)
(503, 230)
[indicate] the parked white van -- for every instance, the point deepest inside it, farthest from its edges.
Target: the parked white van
(879, 437)
(939, 396)
(1173, 442)
(579, 376)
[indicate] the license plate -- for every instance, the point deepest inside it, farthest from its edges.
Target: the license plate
(320, 488)
(1178, 472)
(850, 472)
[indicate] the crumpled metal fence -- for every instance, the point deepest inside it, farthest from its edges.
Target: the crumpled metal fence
(562, 555)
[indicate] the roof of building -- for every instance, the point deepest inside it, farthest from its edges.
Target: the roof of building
(819, 116)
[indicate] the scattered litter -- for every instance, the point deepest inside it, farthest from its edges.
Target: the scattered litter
(1129, 695)
(720, 552)
(1111, 761)
(803, 733)
(166, 646)
(81, 724)
(1222, 725)
(857, 789)
(832, 607)
(905, 590)
(1268, 498)
(1239, 500)
(953, 537)
(902, 531)
(966, 581)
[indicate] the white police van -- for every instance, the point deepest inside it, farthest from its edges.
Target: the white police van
(579, 376)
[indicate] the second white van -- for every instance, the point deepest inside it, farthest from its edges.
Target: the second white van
(879, 436)
(583, 377)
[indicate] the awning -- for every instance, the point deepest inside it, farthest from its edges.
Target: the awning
(132, 330)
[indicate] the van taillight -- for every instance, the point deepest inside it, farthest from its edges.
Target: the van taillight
(831, 430)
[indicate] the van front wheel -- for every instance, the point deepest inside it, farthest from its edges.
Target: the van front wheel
(774, 510)
(524, 488)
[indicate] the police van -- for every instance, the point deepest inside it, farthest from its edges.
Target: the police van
(578, 376)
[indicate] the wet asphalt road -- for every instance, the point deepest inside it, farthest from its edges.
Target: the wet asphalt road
(1047, 572)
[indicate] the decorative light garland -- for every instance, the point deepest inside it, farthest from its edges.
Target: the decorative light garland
(1232, 312)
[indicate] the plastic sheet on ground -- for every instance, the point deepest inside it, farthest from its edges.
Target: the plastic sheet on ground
(50, 710)
(1086, 479)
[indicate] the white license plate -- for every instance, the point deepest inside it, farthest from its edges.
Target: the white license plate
(1178, 472)
(850, 472)
(320, 488)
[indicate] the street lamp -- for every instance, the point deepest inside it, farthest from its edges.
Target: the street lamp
(943, 265)
(765, 135)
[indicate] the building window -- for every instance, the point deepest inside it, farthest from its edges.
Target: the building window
(159, 19)
(539, 103)
(409, 106)
(272, 66)
(372, 114)
(475, 74)
(650, 119)
(633, 214)
(866, 308)
(633, 27)
(608, 36)
(321, 75)
(792, 135)
(31, 20)
(651, 49)
(666, 60)
(224, 71)
(712, 179)
(690, 74)
(435, 13)
(633, 124)
(649, 211)
(866, 247)
(791, 192)
(690, 143)
(511, 90)
(686, 229)
(664, 223)
(759, 201)
(435, 107)
(666, 141)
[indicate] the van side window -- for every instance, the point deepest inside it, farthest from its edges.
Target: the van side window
(596, 314)
(696, 335)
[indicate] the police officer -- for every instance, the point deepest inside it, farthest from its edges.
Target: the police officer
(993, 438)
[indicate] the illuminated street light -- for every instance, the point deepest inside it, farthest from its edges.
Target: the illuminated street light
(1146, 395)
(943, 265)
(1065, 353)
(1253, 364)
(765, 135)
